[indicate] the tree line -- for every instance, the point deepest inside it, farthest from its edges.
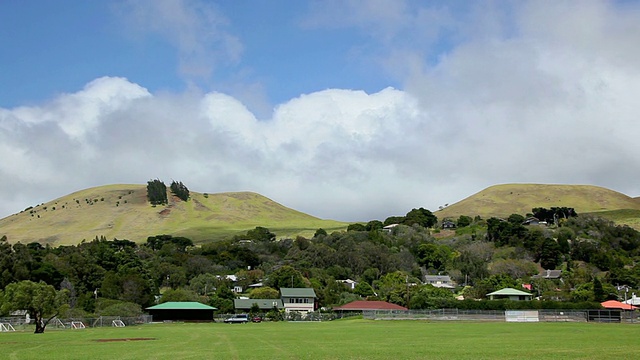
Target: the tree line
(122, 277)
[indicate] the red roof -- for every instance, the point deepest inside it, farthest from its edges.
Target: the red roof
(370, 305)
(613, 304)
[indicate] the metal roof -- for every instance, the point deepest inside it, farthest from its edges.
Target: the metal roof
(509, 291)
(297, 292)
(181, 305)
(262, 303)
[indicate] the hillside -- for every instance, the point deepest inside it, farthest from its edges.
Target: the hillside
(507, 199)
(122, 211)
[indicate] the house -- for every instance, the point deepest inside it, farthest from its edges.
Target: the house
(181, 311)
(361, 305)
(298, 299)
(634, 300)
(531, 221)
(510, 294)
(439, 281)
(256, 285)
(617, 305)
(448, 224)
(264, 304)
(548, 274)
(389, 228)
(351, 284)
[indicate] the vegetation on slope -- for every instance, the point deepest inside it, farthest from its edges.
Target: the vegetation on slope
(504, 200)
(122, 211)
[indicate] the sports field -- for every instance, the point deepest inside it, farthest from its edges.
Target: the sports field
(346, 339)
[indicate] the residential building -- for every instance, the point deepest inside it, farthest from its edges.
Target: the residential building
(298, 299)
(510, 294)
(439, 281)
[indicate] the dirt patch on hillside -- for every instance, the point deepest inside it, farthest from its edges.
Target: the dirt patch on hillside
(124, 339)
(165, 212)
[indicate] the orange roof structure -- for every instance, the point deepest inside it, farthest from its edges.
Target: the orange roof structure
(614, 304)
(360, 305)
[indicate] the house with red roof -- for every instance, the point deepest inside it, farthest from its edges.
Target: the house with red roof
(617, 305)
(361, 305)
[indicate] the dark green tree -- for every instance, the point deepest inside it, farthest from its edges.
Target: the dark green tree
(422, 217)
(464, 221)
(320, 232)
(261, 234)
(433, 256)
(550, 255)
(598, 291)
(156, 192)
(179, 190)
(374, 225)
(356, 227)
(285, 277)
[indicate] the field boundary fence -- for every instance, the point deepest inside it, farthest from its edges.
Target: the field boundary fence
(499, 315)
(101, 321)
(296, 316)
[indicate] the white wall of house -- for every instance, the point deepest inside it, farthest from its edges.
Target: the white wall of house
(302, 305)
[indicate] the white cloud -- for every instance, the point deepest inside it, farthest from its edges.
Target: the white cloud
(525, 100)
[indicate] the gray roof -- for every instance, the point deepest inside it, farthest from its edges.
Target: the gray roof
(437, 278)
(297, 292)
(263, 304)
(548, 274)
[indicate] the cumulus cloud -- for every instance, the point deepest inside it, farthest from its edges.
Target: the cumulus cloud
(545, 94)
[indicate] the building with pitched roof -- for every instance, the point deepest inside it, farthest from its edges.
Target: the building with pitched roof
(510, 294)
(263, 304)
(181, 311)
(298, 299)
(617, 305)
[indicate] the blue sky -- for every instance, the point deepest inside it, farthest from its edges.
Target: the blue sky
(344, 109)
(57, 47)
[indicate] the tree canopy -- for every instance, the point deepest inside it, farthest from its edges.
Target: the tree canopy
(41, 301)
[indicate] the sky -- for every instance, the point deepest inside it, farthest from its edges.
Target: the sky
(343, 109)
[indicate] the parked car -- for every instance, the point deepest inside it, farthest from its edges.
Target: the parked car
(256, 319)
(237, 319)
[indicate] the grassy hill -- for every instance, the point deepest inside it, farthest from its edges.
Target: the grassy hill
(507, 199)
(122, 211)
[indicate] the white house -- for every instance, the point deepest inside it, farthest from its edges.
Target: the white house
(439, 281)
(351, 284)
(298, 299)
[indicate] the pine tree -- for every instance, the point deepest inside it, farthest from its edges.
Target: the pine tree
(180, 190)
(156, 192)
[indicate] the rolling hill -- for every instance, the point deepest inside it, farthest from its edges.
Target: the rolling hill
(504, 200)
(122, 211)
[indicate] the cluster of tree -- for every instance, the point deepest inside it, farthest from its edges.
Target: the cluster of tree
(553, 214)
(483, 256)
(157, 192)
(180, 190)
(421, 217)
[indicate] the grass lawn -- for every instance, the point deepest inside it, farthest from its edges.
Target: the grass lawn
(346, 339)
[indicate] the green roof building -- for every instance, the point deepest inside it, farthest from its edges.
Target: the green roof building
(510, 294)
(181, 311)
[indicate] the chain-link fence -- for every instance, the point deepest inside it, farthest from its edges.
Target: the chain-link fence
(71, 323)
(293, 316)
(496, 315)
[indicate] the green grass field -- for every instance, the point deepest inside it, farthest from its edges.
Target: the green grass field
(346, 339)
